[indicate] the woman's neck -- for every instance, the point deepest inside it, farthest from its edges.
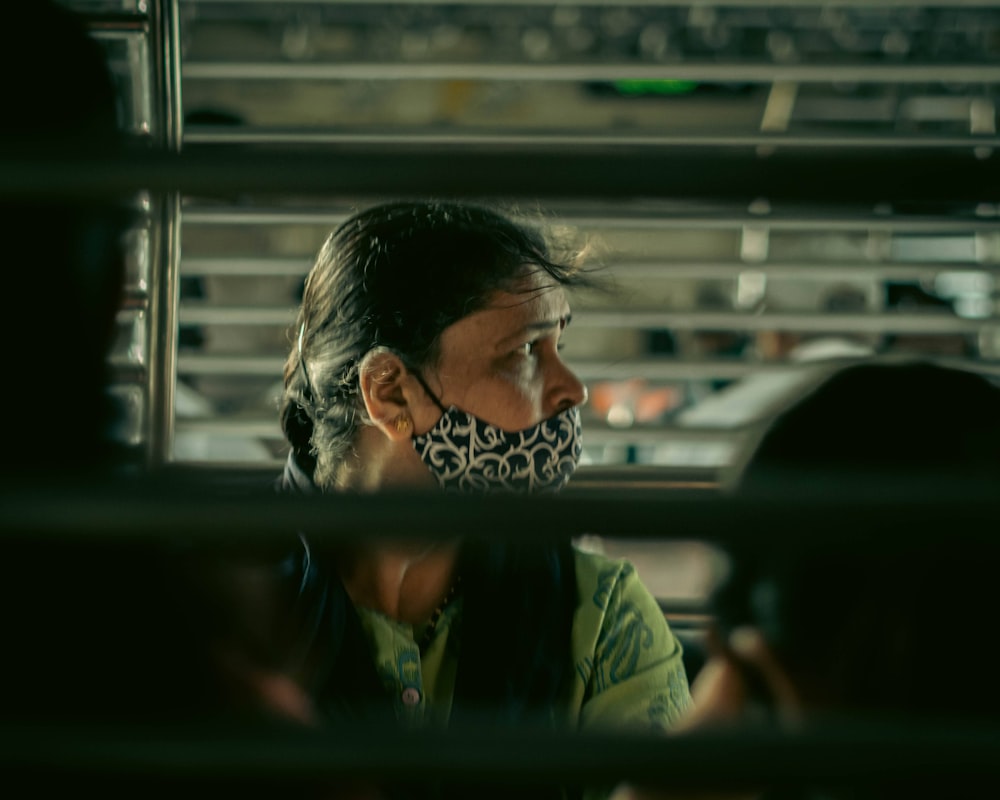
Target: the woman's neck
(405, 581)
(377, 463)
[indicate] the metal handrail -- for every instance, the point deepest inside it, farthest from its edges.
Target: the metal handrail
(256, 266)
(588, 318)
(626, 3)
(638, 216)
(748, 72)
(204, 134)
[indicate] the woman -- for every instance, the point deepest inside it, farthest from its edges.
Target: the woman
(427, 355)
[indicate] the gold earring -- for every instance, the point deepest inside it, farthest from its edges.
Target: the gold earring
(401, 423)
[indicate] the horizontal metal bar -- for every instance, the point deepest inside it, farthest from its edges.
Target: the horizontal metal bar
(785, 321)
(192, 364)
(657, 319)
(219, 266)
(668, 370)
(189, 364)
(195, 134)
(827, 178)
(603, 436)
(230, 427)
(259, 216)
(633, 217)
(590, 370)
(903, 512)
(819, 270)
(244, 267)
(865, 4)
(710, 71)
(506, 758)
(588, 478)
(235, 315)
(807, 222)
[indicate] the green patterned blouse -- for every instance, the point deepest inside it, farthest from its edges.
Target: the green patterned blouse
(626, 662)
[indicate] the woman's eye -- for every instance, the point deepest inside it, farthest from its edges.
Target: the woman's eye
(526, 349)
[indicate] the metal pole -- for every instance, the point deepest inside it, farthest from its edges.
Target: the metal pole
(164, 284)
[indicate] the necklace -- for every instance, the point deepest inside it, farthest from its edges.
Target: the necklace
(432, 623)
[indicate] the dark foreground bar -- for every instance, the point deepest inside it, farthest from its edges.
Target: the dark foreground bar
(831, 509)
(374, 170)
(840, 753)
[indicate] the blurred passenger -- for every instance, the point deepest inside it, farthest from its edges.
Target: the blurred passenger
(716, 345)
(913, 298)
(876, 626)
(95, 632)
(769, 391)
(426, 357)
(800, 347)
(63, 289)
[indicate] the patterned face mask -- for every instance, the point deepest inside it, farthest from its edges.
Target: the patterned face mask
(466, 454)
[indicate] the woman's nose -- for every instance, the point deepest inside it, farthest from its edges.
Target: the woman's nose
(565, 389)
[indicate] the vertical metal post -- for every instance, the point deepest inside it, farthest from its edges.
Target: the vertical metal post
(165, 279)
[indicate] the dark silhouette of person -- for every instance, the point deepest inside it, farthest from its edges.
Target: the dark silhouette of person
(62, 281)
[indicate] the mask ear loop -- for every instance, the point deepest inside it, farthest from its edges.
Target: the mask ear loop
(427, 389)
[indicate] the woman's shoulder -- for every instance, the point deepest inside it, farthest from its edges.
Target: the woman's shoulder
(600, 578)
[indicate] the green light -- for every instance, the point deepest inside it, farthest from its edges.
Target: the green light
(640, 86)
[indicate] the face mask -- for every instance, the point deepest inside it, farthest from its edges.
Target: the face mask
(466, 454)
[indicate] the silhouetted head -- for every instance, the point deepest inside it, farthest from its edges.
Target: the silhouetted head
(855, 609)
(877, 424)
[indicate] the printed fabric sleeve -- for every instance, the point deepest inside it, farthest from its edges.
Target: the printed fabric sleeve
(636, 677)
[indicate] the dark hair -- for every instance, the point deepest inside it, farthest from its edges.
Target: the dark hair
(394, 276)
(856, 614)
(878, 423)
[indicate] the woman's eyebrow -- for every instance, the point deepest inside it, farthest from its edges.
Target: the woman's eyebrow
(537, 327)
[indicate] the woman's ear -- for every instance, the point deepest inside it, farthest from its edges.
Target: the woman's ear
(383, 377)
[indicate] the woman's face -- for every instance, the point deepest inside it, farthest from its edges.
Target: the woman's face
(502, 363)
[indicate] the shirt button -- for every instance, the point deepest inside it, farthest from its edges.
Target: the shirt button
(411, 696)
